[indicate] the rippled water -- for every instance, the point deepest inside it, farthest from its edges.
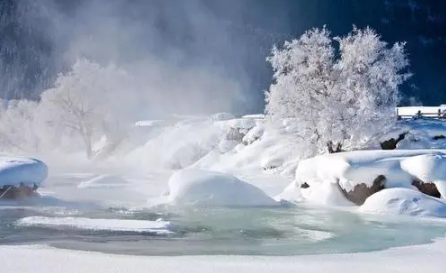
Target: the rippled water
(285, 231)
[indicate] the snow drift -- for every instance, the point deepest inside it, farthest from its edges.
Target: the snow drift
(193, 187)
(405, 202)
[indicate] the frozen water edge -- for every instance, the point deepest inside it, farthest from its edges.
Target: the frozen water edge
(424, 258)
(157, 227)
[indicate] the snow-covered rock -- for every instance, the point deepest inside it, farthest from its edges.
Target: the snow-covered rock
(16, 170)
(404, 202)
(355, 173)
(193, 187)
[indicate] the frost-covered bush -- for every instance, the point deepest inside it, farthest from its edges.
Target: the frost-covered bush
(338, 95)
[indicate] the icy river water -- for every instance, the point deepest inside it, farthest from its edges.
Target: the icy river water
(70, 218)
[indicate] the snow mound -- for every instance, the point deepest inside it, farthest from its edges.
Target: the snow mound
(404, 202)
(351, 169)
(157, 227)
(104, 181)
(16, 170)
(193, 187)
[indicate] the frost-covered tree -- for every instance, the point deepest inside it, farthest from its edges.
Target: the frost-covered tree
(19, 127)
(88, 101)
(340, 90)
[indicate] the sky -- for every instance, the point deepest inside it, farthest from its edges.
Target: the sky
(212, 51)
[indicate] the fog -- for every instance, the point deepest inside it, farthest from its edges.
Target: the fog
(186, 57)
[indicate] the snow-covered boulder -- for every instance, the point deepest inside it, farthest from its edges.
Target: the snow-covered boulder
(404, 202)
(193, 187)
(16, 170)
(361, 174)
(20, 177)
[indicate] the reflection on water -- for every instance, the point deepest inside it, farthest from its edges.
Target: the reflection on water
(286, 231)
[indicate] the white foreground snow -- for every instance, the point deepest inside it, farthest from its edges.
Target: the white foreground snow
(404, 202)
(42, 259)
(16, 170)
(193, 187)
(158, 227)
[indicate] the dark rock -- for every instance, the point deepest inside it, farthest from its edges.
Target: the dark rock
(304, 185)
(13, 192)
(428, 188)
(361, 191)
(439, 137)
(391, 143)
(332, 148)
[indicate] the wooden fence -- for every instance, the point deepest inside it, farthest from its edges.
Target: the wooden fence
(440, 114)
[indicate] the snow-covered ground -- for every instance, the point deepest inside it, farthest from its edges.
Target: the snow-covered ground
(413, 259)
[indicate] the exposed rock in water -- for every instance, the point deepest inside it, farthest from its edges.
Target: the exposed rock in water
(13, 192)
(391, 143)
(439, 137)
(428, 188)
(361, 191)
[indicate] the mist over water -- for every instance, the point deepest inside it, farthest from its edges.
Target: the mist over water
(185, 57)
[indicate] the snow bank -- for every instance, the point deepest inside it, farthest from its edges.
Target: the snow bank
(157, 227)
(351, 169)
(223, 143)
(405, 202)
(192, 187)
(219, 142)
(104, 181)
(16, 170)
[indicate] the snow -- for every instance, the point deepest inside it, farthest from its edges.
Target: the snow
(158, 227)
(410, 259)
(349, 169)
(14, 170)
(399, 201)
(193, 187)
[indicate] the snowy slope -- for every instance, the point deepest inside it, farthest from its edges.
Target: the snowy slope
(224, 143)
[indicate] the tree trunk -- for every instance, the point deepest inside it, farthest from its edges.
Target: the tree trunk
(332, 148)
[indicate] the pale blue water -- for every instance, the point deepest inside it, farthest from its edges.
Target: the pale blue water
(286, 231)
